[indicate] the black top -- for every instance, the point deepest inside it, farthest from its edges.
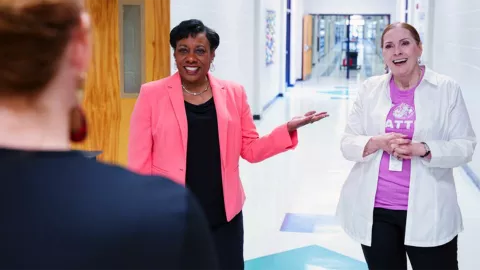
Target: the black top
(62, 210)
(204, 174)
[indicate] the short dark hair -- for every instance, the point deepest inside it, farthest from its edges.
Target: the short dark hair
(192, 28)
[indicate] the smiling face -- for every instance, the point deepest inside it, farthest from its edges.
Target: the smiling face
(193, 57)
(401, 50)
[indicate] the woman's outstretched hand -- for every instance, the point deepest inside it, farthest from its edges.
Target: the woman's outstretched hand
(308, 118)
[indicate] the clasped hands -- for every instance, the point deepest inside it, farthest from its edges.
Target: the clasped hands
(398, 145)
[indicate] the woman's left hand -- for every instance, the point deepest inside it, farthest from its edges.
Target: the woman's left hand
(407, 151)
(308, 118)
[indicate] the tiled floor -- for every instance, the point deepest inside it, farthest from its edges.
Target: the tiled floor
(291, 198)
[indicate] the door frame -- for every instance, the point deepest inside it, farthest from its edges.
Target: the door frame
(307, 37)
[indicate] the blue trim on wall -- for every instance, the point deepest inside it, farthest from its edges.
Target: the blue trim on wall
(288, 44)
(266, 106)
(472, 175)
(270, 103)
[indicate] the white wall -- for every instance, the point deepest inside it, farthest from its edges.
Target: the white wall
(456, 52)
(400, 17)
(234, 22)
(270, 78)
(421, 16)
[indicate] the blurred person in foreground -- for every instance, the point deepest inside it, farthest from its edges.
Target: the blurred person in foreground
(407, 130)
(58, 209)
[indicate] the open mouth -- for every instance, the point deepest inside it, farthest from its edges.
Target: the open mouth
(192, 70)
(399, 62)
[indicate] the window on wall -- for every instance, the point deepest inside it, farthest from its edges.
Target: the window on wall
(132, 46)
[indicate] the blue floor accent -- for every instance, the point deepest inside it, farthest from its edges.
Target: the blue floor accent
(472, 175)
(302, 257)
(335, 92)
(306, 223)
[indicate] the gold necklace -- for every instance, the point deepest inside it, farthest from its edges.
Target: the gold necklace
(194, 93)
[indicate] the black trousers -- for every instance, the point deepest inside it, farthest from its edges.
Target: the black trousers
(388, 251)
(228, 239)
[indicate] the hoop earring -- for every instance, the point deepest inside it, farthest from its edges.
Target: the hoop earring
(78, 121)
(212, 67)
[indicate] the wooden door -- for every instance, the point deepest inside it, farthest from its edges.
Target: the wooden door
(102, 87)
(108, 112)
(156, 62)
(307, 46)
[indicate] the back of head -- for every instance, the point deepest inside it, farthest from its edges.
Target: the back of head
(34, 35)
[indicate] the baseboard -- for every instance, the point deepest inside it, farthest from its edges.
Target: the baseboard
(472, 175)
(270, 103)
(294, 83)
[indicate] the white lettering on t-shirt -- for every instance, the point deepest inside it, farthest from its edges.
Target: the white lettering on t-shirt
(399, 124)
(409, 123)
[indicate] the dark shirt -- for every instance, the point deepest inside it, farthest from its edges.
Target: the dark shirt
(204, 174)
(60, 210)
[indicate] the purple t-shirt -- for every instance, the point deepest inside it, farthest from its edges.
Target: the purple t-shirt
(394, 176)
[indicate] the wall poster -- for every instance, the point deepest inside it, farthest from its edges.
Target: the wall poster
(270, 44)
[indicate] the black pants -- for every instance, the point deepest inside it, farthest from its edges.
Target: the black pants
(228, 239)
(388, 251)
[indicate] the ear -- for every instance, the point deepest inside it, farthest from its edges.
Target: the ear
(80, 49)
(213, 56)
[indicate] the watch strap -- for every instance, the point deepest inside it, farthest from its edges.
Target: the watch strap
(427, 150)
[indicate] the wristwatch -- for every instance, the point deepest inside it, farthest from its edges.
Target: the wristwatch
(427, 149)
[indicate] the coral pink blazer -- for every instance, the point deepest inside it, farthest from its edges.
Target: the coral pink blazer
(158, 135)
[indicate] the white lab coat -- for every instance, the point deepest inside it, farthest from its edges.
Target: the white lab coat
(442, 121)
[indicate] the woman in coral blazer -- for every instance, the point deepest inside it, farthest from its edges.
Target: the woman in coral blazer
(193, 129)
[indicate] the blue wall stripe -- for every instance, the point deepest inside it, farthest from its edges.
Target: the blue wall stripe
(471, 174)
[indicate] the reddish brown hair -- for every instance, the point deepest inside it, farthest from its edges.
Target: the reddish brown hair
(407, 26)
(34, 35)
